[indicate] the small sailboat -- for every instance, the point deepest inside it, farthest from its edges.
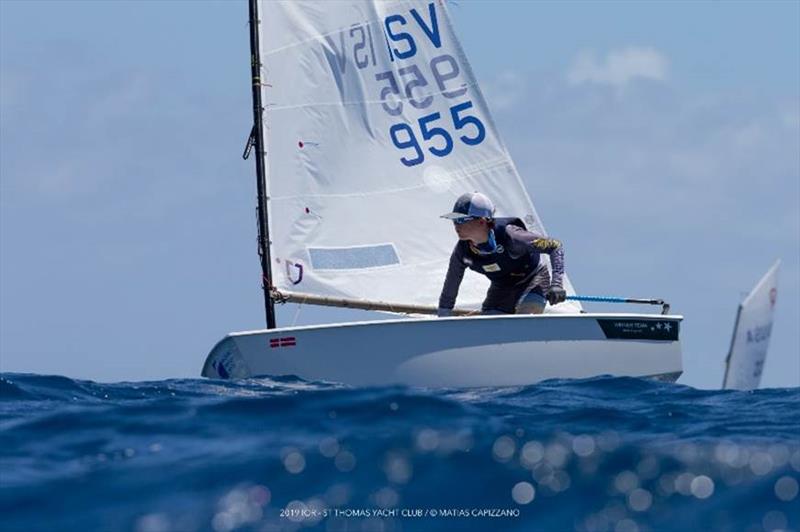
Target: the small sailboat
(751, 333)
(368, 123)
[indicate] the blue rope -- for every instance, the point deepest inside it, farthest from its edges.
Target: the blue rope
(609, 299)
(599, 299)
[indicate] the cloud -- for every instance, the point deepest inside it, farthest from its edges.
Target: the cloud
(505, 90)
(619, 67)
(790, 115)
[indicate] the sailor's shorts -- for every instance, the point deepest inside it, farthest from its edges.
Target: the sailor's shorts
(502, 298)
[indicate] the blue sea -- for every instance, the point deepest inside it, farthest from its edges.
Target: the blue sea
(600, 454)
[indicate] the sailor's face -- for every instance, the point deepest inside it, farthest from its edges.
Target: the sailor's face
(476, 231)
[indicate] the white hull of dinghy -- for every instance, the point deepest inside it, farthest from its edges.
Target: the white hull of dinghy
(505, 350)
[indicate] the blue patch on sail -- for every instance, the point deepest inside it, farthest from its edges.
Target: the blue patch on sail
(353, 258)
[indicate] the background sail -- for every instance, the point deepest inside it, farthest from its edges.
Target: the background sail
(751, 334)
(375, 125)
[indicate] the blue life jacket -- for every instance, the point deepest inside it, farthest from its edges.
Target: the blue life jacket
(511, 262)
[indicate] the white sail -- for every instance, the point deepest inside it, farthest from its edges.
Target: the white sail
(751, 334)
(374, 126)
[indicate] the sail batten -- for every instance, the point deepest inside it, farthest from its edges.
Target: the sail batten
(346, 103)
(466, 172)
(376, 124)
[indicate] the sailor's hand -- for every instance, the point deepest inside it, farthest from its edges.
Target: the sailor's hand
(444, 312)
(556, 295)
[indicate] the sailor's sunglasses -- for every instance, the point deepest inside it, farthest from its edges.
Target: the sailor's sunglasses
(465, 219)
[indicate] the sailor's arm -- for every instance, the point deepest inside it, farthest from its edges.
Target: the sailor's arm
(543, 244)
(455, 273)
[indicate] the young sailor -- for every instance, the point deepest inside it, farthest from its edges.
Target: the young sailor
(508, 254)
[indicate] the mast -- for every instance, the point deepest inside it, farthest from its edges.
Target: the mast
(257, 140)
(730, 350)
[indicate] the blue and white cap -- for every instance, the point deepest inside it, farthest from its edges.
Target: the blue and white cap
(471, 205)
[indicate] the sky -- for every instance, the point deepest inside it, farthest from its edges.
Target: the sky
(660, 141)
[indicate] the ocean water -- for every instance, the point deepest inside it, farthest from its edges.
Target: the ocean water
(601, 454)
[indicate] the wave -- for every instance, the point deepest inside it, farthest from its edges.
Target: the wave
(604, 453)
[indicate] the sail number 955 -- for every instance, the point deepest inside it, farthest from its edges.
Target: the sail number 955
(439, 141)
